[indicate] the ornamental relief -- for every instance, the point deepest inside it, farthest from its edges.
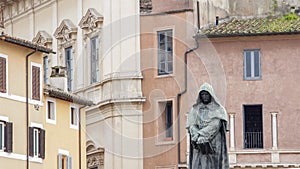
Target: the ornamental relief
(43, 38)
(91, 22)
(95, 156)
(66, 32)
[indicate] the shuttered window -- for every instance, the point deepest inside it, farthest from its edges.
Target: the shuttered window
(69, 66)
(74, 117)
(252, 65)
(35, 83)
(64, 162)
(2, 74)
(165, 52)
(6, 136)
(94, 60)
(46, 69)
(36, 142)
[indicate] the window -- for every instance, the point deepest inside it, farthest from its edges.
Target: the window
(166, 121)
(46, 69)
(94, 60)
(64, 161)
(74, 117)
(3, 72)
(252, 67)
(35, 82)
(36, 142)
(69, 66)
(5, 136)
(253, 126)
(165, 52)
(51, 111)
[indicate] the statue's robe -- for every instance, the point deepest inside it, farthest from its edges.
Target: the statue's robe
(207, 127)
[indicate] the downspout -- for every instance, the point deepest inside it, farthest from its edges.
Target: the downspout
(185, 84)
(27, 109)
(181, 93)
(79, 135)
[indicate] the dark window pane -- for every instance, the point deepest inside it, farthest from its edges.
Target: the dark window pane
(170, 67)
(169, 120)
(248, 63)
(1, 135)
(253, 126)
(256, 64)
(69, 65)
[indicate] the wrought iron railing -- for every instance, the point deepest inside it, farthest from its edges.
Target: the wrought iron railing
(253, 140)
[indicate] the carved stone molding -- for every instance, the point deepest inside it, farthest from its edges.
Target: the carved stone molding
(91, 21)
(43, 38)
(66, 31)
(95, 156)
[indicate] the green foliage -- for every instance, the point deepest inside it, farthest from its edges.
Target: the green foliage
(290, 16)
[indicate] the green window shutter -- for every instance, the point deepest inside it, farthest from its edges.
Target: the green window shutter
(31, 141)
(2, 75)
(8, 137)
(35, 83)
(42, 144)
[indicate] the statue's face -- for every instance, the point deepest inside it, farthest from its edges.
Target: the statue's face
(205, 97)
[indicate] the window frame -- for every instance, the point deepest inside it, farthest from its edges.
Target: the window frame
(36, 143)
(2, 146)
(69, 69)
(75, 125)
(6, 74)
(40, 80)
(252, 64)
(38, 150)
(49, 120)
(94, 61)
(46, 69)
(165, 52)
(7, 135)
(63, 157)
(161, 136)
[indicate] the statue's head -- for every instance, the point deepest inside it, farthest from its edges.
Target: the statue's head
(205, 97)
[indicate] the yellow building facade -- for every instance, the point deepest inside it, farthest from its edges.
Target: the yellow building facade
(53, 118)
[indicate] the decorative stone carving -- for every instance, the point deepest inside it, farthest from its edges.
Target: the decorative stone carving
(91, 21)
(66, 31)
(95, 156)
(43, 38)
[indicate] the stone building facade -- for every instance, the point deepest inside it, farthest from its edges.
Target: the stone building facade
(217, 54)
(97, 43)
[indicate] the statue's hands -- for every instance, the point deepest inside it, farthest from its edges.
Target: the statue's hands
(195, 137)
(201, 140)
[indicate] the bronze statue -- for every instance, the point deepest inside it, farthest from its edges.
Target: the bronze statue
(207, 123)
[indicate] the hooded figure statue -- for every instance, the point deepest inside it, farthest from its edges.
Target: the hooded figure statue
(207, 123)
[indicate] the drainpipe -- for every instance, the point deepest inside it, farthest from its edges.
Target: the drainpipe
(79, 135)
(27, 109)
(181, 93)
(185, 83)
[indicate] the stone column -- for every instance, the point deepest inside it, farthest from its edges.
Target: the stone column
(231, 132)
(274, 130)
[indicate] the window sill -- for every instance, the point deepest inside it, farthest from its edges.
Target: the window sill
(50, 121)
(20, 157)
(74, 127)
(36, 159)
(165, 76)
(165, 141)
(20, 99)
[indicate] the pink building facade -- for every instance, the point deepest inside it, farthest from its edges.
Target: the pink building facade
(253, 70)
